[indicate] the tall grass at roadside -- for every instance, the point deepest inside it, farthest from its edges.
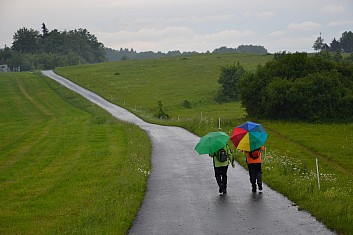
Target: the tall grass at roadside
(66, 166)
(292, 147)
(293, 171)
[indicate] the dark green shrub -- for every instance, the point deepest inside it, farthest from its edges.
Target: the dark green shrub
(161, 113)
(187, 104)
(228, 80)
(295, 86)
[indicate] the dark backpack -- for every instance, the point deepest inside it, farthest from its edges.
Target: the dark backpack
(222, 155)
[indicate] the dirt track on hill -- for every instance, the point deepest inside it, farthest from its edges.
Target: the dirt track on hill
(182, 195)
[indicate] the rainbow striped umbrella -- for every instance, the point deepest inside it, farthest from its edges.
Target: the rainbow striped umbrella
(249, 136)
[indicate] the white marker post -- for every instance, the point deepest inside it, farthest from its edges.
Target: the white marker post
(318, 174)
(219, 123)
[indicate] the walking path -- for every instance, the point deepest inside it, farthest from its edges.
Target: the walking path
(182, 194)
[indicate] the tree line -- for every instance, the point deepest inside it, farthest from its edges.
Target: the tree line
(249, 49)
(344, 44)
(49, 49)
(293, 86)
(127, 54)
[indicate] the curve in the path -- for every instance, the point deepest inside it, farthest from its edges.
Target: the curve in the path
(182, 195)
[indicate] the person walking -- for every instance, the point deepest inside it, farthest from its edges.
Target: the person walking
(254, 162)
(221, 160)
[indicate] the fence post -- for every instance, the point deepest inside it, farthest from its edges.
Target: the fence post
(318, 174)
(219, 123)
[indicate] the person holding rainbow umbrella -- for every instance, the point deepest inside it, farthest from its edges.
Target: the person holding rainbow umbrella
(250, 137)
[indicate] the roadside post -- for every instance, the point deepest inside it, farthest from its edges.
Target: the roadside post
(318, 174)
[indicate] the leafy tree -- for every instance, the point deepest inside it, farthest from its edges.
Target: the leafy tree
(346, 41)
(319, 43)
(223, 50)
(51, 49)
(56, 42)
(321, 90)
(6, 54)
(25, 40)
(23, 61)
(291, 66)
(252, 49)
(228, 80)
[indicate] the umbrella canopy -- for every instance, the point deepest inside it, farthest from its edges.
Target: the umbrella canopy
(249, 136)
(212, 142)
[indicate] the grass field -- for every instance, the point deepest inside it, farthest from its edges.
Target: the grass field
(292, 147)
(66, 166)
(170, 80)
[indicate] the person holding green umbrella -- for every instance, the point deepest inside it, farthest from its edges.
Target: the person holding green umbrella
(221, 160)
(215, 145)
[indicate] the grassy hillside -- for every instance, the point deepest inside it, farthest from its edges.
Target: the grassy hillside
(66, 166)
(292, 148)
(139, 85)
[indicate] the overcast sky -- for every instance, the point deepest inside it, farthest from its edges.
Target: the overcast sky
(185, 25)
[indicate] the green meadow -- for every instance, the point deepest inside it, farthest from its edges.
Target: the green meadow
(66, 166)
(292, 147)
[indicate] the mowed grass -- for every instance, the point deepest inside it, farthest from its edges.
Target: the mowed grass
(66, 166)
(292, 147)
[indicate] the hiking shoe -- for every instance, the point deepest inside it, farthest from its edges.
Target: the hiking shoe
(260, 187)
(220, 190)
(224, 191)
(253, 189)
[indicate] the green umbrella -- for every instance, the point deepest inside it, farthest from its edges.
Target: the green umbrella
(212, 142)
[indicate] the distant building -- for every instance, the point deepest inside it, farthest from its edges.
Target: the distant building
(16, 69)
(325, 47)
(4, 68)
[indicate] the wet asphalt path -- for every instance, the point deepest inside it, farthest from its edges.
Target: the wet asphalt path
(182, 195)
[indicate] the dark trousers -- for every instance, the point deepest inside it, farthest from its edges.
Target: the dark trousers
(221, 176)
(255, 173)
